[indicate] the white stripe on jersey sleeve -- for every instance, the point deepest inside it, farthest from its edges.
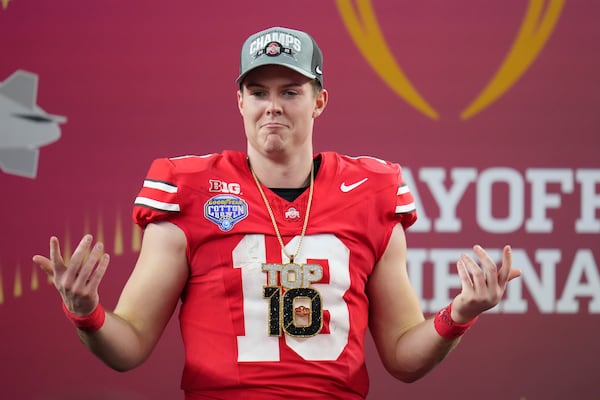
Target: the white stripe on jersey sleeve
(406, 208)
(158, 205)
(165, 187)
(403, 189)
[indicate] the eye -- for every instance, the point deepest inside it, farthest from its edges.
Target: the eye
(258, 93)
(290, 93)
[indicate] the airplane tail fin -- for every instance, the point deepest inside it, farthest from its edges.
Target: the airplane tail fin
(21, 87)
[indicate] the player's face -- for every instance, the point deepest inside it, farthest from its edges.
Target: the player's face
(278, 106)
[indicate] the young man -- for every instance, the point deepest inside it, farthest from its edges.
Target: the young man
(281, 258)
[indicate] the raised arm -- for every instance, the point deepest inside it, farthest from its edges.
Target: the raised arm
(409, 345)
(130, 332)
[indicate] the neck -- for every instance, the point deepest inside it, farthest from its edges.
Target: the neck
(293, 172)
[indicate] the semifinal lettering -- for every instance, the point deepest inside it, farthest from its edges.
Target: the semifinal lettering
(580, 291)
(551, 216)
(506, 200)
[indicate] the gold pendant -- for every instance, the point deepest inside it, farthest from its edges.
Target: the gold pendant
(294, 306)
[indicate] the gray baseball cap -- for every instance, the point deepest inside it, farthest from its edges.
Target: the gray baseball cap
(290, 48)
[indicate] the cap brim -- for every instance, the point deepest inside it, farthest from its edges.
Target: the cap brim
(273, 61)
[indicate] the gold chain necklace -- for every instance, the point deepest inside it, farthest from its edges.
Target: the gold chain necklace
(291, 257)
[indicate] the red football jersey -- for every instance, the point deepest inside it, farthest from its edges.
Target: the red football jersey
(254, 326)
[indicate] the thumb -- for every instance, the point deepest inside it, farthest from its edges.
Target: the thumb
(45, 264)
(514, 273)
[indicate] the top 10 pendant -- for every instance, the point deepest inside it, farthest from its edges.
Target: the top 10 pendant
(294, 307)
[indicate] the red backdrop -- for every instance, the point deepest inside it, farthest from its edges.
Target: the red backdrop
(144, 79)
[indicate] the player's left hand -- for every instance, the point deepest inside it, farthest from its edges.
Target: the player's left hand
(482, 286)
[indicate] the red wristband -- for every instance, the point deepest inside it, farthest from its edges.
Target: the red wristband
(89, 323)
(445, 325)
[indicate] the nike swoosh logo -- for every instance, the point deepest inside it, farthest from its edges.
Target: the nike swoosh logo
(346, 188)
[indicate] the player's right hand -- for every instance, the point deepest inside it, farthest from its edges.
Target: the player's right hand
(78, 281)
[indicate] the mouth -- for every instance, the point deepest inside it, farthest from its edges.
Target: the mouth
(273, 125)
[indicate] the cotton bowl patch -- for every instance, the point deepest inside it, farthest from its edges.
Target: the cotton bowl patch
(225, 210)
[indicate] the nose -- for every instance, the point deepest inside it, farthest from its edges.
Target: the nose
(274, 106)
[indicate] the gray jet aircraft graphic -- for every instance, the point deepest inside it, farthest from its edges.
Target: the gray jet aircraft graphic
(24, 127)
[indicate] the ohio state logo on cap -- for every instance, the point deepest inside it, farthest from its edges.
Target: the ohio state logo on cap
(273, 49)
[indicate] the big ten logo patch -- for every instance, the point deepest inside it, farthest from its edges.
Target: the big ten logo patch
(218, 186)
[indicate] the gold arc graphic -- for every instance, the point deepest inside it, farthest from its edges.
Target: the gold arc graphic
(364, 30)
(5, 4)
(533, 34)
(527, 46)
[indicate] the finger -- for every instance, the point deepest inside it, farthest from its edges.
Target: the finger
(89, 265)
(56, 260)
(477, 274)
(464, 276)
(78, 256)
(506, 268)
(44, 263)
(98, 273)
(488, 266)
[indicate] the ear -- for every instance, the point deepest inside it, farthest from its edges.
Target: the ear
(240, 101)
(320, 102)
